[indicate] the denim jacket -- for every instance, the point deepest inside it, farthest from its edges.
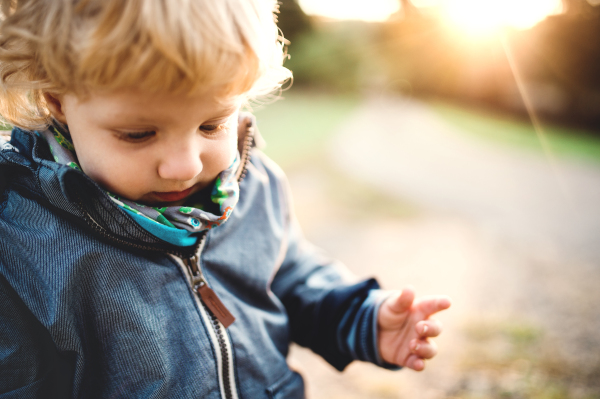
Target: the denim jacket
(92, 305)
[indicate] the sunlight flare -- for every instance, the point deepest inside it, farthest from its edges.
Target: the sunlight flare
(373, 10)
(480, 17)
(472, 16)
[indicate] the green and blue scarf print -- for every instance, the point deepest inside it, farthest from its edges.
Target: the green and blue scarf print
(162, 221)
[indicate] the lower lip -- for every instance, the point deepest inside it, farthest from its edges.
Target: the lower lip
(173, 195)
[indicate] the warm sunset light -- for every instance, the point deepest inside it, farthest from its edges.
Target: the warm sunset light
(471, 16)
(372, 10)
(481, 17)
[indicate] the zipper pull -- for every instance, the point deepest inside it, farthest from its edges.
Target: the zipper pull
(212, 301)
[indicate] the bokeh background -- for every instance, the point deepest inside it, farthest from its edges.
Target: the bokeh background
(453, 145)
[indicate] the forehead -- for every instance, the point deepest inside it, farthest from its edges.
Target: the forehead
(140, 106)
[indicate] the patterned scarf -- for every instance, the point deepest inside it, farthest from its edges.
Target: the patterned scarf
(192, 217)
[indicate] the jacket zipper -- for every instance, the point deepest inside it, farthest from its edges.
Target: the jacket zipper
(217, 318)
(211, 306)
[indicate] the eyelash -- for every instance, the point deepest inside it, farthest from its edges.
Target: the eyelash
(137, 136)
(140, 136)
(212, 129)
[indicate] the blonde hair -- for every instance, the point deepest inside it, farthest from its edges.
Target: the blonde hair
(75, 46)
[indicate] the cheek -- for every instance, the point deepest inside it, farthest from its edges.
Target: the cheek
(109, 168)
(221, 154)
(112, 173)
(233, 145)
(91, 155)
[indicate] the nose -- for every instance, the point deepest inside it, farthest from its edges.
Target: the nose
(181, 162)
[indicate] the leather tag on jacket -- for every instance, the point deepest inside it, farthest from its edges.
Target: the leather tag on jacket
(212, 301)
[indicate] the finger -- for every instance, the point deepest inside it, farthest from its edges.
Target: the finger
(424, 349)
(429, 328)
(403, 301)
(434, 304)
(414, 362)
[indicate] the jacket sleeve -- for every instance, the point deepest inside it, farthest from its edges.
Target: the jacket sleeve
(328, 313)
(30, 364)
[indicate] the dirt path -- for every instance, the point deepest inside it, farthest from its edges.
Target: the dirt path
(404, 148)
(513, 239)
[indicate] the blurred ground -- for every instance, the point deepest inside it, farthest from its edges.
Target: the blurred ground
(513, 236)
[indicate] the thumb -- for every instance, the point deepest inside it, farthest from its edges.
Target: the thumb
(402, 302)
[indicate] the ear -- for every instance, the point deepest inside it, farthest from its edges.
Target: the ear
(54, 104)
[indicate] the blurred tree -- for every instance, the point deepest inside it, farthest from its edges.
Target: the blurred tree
(559, 59)
(292, 20)
(564, 51)
(332, 56)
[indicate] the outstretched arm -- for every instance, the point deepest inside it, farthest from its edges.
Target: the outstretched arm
(404, 328)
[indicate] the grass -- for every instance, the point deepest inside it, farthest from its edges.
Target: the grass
(300, 124)
(514, 358)
(563, 142)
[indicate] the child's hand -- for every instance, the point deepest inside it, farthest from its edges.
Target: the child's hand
(404, 328)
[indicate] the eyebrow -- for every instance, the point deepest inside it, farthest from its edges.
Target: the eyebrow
(227, 111)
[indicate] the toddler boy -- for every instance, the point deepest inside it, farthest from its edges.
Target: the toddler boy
(148, 249)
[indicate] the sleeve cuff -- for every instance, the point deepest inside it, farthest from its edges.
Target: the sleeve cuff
(357, 333)
(378, 297)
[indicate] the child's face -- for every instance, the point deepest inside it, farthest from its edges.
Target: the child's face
(155, 149)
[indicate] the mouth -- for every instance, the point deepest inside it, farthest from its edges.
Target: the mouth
(172, 196)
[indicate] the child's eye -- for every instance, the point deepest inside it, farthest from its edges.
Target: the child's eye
(136, 136)
(212, 129)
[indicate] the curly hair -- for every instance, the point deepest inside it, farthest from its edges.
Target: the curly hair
(183, 46)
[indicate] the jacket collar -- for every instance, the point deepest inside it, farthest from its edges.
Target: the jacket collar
(27, 164)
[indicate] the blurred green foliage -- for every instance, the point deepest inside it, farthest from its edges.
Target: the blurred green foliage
(292, 21)
(416, 52)
(333, 56)
(321, 55)
(516, 132)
